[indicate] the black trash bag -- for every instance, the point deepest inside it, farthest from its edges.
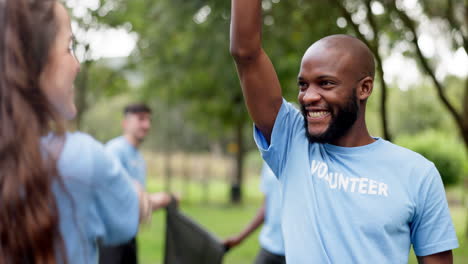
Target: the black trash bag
(189, 243)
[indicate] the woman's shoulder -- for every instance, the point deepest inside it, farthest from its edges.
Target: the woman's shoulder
(85, 154)
(81, 139)
(80, 143)
(79, 156)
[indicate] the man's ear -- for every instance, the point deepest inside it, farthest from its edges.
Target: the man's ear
(365, 87)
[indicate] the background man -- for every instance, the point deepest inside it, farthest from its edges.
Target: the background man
(136, 125)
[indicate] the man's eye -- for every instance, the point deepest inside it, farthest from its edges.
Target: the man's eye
(326, 83)
(302, 85)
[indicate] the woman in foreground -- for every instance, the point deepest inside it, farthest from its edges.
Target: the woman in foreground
(59, 192)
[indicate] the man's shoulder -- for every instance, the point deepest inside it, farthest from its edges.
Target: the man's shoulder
(291, 108)
(289, 118)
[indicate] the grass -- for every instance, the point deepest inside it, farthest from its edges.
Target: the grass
(213, 212)
(221, 220)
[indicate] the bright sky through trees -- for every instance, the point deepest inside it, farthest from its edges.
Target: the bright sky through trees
(110, 42)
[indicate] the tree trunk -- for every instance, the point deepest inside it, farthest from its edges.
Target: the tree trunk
(236, 184)
(206, 178)
(465, 202)
(460, 118)
(168, 144)
(374, 47)
(383, 99)
(186, 170)
(167, 170)
(464, 129)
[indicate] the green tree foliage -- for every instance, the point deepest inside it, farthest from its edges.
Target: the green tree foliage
(448, 19)
(96, 79)
(416, 110)
(447, 153)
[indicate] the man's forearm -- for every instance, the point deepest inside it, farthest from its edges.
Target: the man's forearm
(246, 26)
(260, 84)
(254, 224)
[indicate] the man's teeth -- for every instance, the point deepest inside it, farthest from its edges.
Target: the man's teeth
(316, 114)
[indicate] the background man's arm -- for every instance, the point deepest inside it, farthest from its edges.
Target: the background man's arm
(260, 84)
(249, 229)
(439, 258)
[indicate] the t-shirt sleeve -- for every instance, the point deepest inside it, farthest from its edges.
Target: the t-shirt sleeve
(288, 122)
(115, 198)
(432, 229)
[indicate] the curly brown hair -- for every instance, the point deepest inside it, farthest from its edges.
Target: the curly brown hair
(29, 218)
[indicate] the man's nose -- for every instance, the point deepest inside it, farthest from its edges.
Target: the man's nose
(311, 96)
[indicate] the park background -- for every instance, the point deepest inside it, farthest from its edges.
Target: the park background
(174, 55)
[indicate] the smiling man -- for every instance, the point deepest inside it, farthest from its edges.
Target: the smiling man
(348, 197)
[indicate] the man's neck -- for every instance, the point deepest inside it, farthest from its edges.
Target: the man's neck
(358, 135)
(132, 140)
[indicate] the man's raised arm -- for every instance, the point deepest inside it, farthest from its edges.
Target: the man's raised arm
(260, 84)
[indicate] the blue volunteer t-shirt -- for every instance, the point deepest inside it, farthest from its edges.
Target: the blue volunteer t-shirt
(100, 201)
(129, 157)
(271, 237)
(364, 204)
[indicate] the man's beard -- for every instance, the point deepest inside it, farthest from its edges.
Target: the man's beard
(140, 138)
(340, 123)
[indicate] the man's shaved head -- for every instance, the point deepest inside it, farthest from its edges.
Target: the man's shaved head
(348, 49)
(335, 80)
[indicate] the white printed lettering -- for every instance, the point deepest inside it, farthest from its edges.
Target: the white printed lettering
(333, 181)
(327, 178)
(322, 170)
(372, 187)
(314, 166)
(336, 180)
(343, 182)
(363, 185)
(353, 183)
(383, 189)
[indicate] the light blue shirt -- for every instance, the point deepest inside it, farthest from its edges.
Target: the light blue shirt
(129, 157)
(271, 237)
(364, 204)
(100, 201)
